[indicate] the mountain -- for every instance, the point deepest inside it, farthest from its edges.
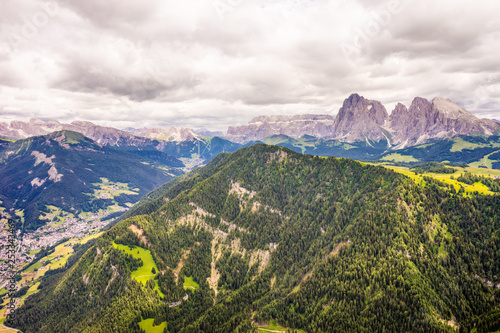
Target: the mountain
(100, 134)
(294, 126)
(359, 150)
(360, 119)
(477, 151)
(168, 134)
(268, 236)
(66, 174)
(165, 145)
(440, 118)
(359, 122)
(206, 132)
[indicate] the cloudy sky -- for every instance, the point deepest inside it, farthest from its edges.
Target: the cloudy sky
(214, 63)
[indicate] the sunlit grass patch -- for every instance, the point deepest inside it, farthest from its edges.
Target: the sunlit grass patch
(148, 326)
(274, 327)
(395, 157)
(145, 272)
(189, 283)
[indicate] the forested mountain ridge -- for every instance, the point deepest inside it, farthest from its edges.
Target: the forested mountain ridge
(318, 244)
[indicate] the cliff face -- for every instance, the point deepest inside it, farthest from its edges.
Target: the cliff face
(360, 119)
(440, 118)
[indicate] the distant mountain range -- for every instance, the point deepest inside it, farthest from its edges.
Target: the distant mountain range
(103, 135)
(360, 119)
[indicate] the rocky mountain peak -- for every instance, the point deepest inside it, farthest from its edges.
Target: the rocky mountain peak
(451, 110)
(440, 118)
(420, 106)
(359, 119)
(82, 123)
(400, 110)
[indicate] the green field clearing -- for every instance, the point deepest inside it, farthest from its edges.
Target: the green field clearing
(55, 215)
(115, 208)
(60, 250)
(64, 250)
(460, 144)
(301, 143)
(484, 162)
(108, 190)
(20, 213)
(446, 178)
(275, 328)
(36, 265)
(147, 326)
(189, 283)
(143, 273)
(395, 157)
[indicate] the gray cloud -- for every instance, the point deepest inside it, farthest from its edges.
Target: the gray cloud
(191, 63)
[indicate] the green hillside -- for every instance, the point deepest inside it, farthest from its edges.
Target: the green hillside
(272, 239)
(477, 151)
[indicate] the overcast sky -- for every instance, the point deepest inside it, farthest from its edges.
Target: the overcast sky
(214, 63)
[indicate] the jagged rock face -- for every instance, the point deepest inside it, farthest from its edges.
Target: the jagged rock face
(407, 125)
(106, 135)
(35, 127)
(457, 119)
(440, 119)
(360, 119)
(293, 126)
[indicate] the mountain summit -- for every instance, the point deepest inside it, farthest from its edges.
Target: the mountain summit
(360, 119)
(440, 118)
